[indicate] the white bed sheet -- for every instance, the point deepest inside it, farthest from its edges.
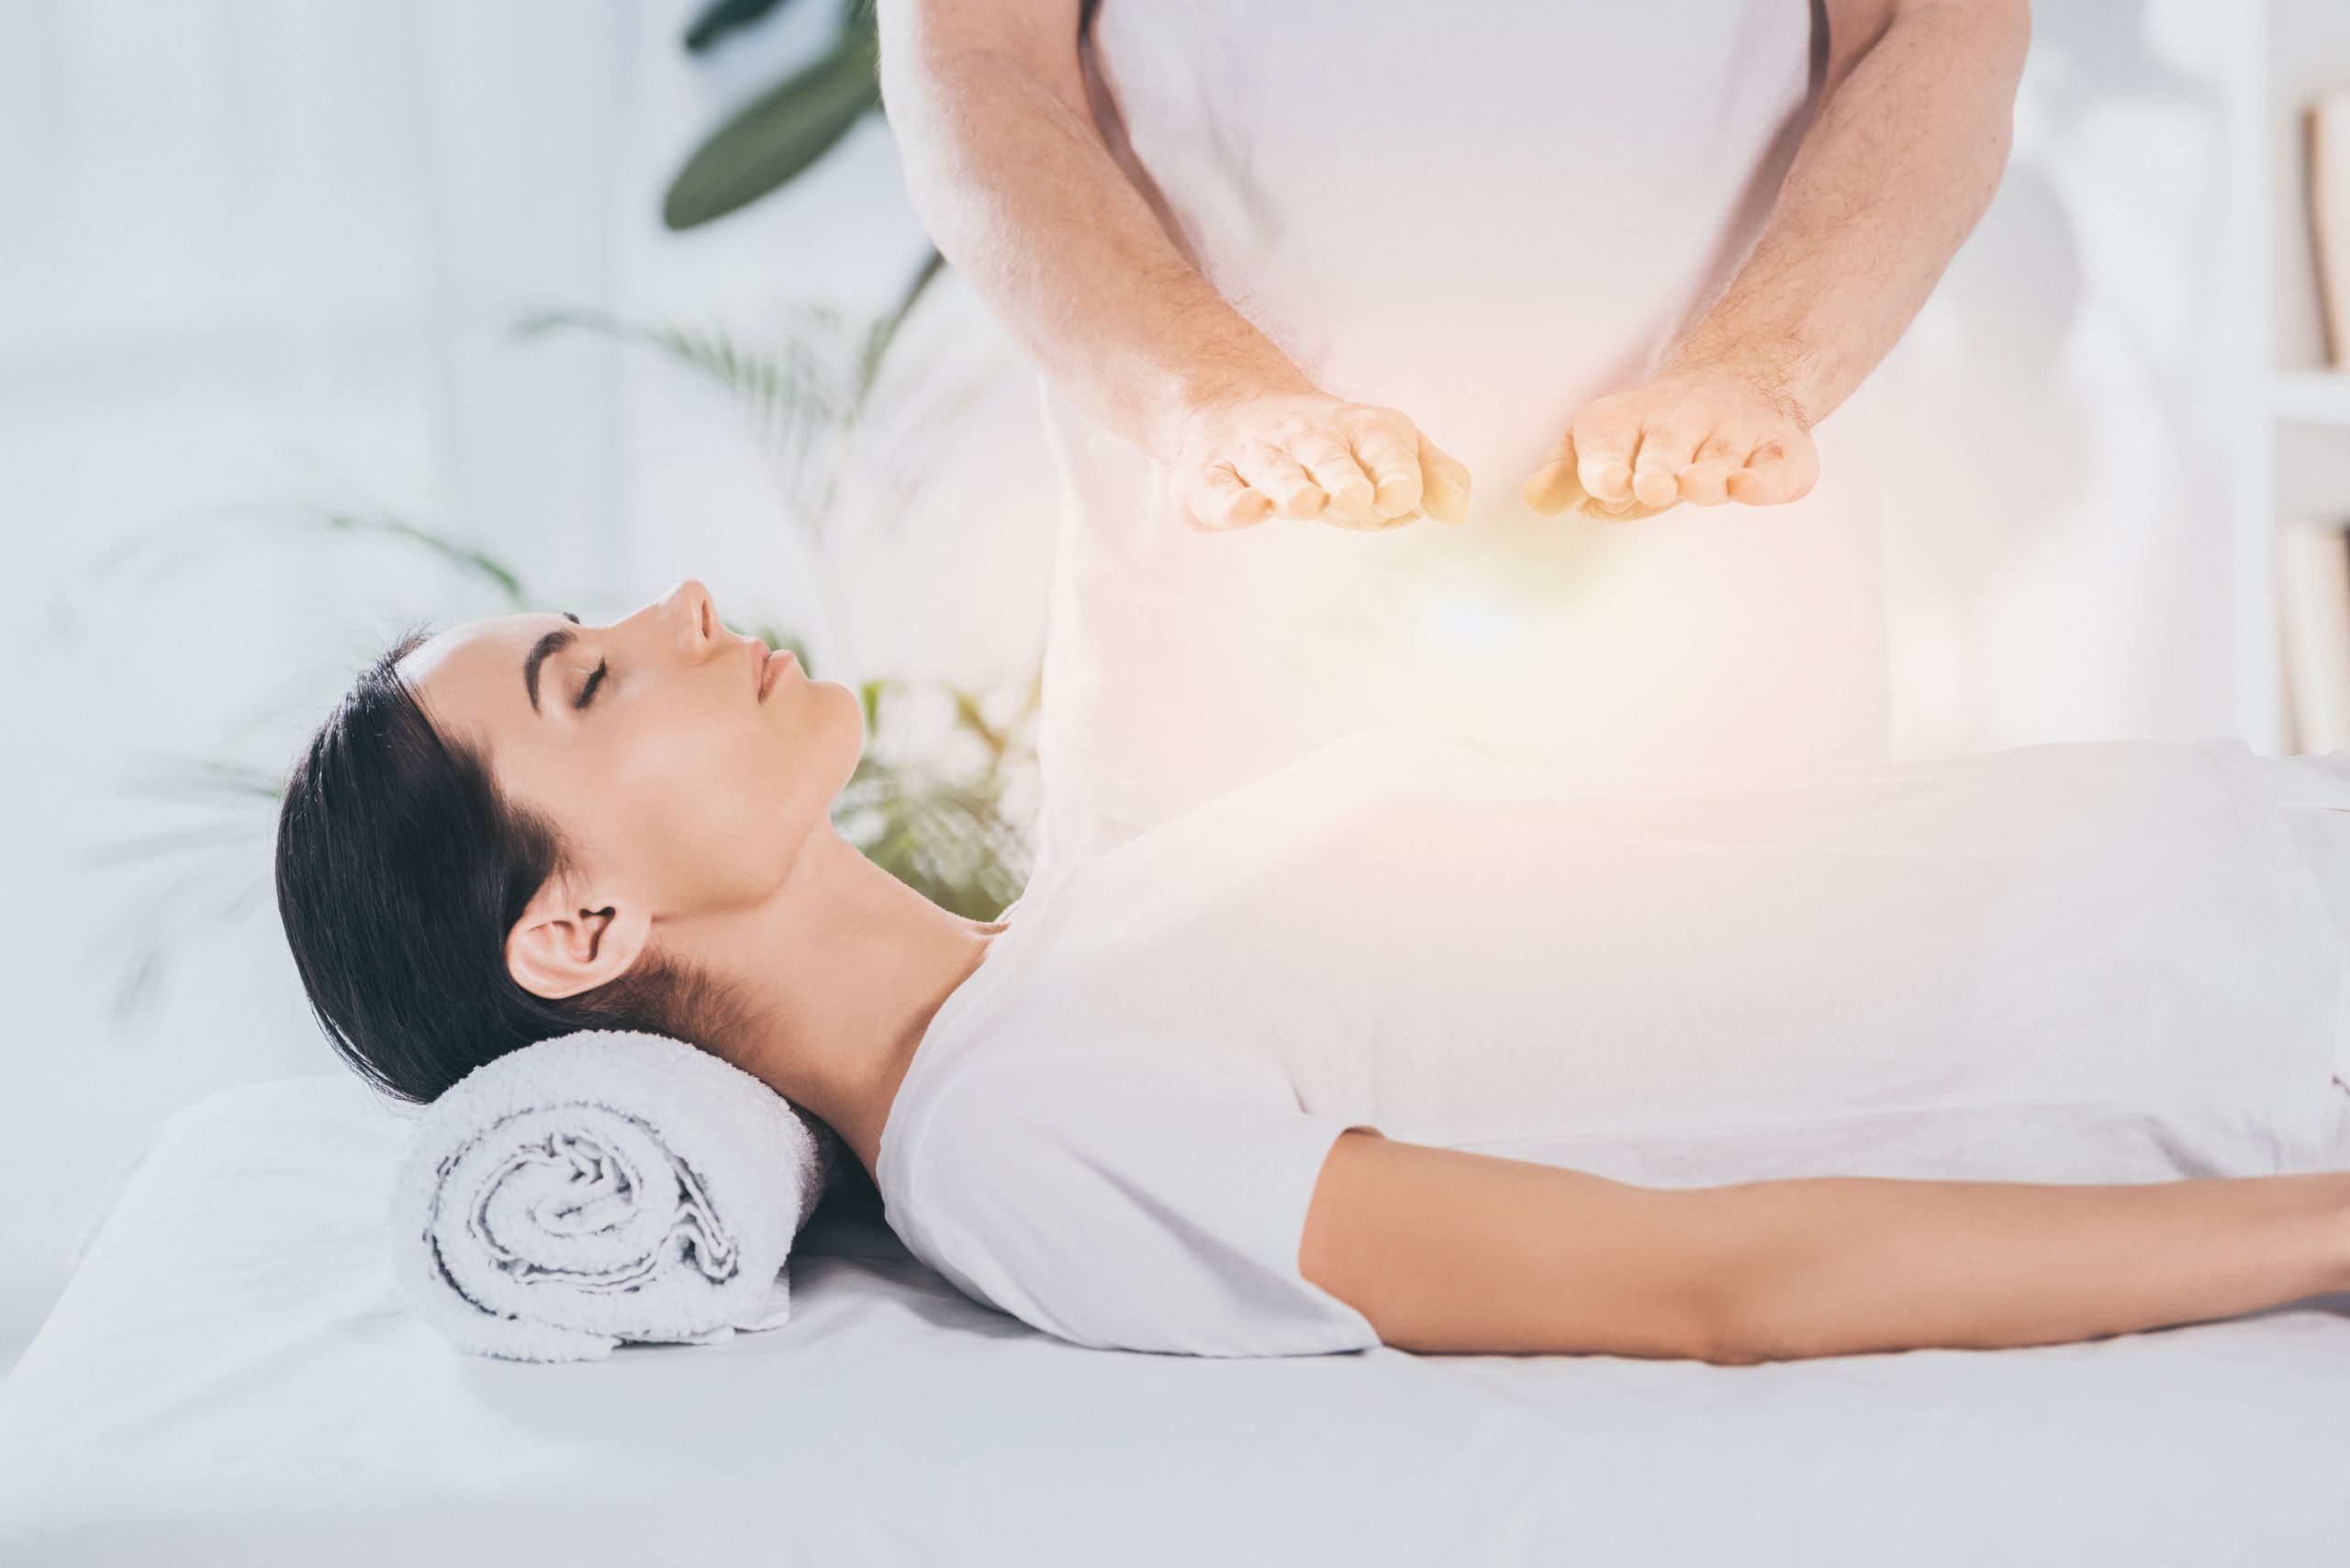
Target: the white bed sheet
(230, 1377)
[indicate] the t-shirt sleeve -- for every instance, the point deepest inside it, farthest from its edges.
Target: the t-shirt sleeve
(1125, 1205)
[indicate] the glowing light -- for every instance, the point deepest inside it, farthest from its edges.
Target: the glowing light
(1466, 623)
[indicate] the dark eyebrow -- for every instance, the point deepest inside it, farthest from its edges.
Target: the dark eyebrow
(541, 651)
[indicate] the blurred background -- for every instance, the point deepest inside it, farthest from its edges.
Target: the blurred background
(322, 319)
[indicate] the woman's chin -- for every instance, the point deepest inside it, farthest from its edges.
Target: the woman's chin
(849, 709)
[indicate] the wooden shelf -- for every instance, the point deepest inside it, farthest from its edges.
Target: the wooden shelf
(2311, 397)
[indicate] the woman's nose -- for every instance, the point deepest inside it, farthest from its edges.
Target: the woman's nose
(689, 609)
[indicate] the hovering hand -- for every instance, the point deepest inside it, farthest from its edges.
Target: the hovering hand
(1307, 454)
(1702, 436)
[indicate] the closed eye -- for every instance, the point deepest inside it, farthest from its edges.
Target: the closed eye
(594, 679)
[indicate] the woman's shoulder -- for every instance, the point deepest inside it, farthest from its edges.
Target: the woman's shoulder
(1122, 1201)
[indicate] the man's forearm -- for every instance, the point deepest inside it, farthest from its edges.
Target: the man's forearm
(1842, 1265)
(1897, 165)
(1020, 192)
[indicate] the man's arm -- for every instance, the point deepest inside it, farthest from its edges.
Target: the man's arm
(1902, 156)
(1006, 166)
(1447, 1250)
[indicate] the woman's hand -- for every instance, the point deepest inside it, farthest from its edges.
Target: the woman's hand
(1701, 436)
(1237, 460)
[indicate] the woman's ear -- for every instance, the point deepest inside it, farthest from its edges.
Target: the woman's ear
(566, 943)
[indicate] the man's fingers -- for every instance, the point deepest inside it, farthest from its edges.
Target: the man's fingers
(1395, 470)
(1276, 475)
(1341, 478)
(1603, 455)
(1706, 481)
(1597, 507)
(1220, 499)
(1554, 488)
(1309, 457)
(1444, 483)
(1692, 436)
(1804, 457)
(1663, 452)
(1778, 471)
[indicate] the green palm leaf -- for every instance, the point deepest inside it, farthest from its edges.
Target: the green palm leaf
(723, 16)
(777, 136)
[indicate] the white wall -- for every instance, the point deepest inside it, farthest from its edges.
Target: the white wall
(2061, 426)
(262, 251)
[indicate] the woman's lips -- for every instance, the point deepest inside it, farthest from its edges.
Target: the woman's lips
(771, 667)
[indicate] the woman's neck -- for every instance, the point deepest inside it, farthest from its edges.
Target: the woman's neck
(835, 978)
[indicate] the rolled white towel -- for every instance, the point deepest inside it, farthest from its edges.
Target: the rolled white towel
(601, 1187)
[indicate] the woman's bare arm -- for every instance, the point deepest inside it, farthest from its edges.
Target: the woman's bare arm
(1447, 1250)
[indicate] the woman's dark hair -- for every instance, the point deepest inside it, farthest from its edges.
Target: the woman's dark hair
(400, 871)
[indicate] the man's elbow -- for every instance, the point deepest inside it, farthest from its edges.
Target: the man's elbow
(2007, 30)
(925, 92)
(911, 52)
(1990, 36)
(2006, 40)
(937, 58)
(952, 85)
(2011, 22)
(1978, 41)
(1978, 47)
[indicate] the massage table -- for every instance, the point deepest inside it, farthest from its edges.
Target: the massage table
(231, 1378)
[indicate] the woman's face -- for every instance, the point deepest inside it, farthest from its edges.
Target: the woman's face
(682, 766)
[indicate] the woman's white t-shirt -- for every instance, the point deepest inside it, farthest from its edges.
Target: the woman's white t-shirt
(2073, 962)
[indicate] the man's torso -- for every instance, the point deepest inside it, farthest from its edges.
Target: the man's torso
(1485, 216)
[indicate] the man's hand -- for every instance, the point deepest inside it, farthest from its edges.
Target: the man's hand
(1705, 436)
(1307, 454)
(1903, 149)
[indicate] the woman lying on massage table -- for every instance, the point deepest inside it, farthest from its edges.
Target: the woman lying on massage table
(1412, 1041)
